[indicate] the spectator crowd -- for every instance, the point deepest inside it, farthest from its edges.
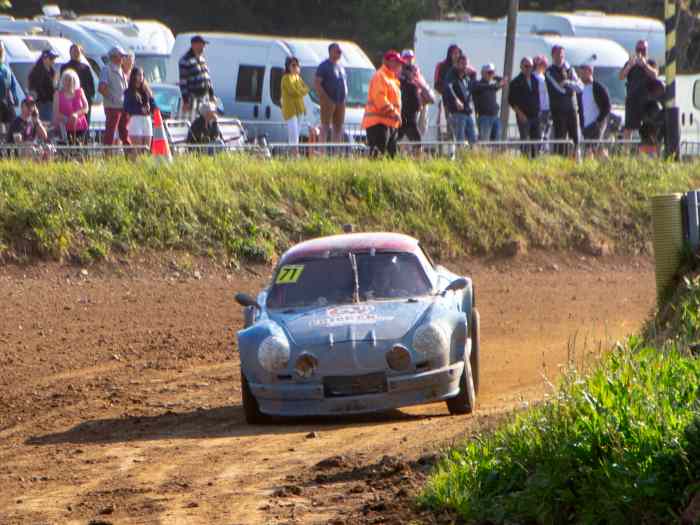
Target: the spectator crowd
(551, 100)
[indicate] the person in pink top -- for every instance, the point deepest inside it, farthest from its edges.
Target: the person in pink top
(70, 109)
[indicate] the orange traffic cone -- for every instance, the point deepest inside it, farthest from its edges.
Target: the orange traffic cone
(159, 144)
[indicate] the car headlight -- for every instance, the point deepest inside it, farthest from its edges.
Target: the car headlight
(431, 339)
(273, 353)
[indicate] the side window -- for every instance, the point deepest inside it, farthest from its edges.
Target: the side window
(276, 85)
(249, 85)
(696, 94)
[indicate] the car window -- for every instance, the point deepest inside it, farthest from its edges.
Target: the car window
(276, 85)
(327, 281)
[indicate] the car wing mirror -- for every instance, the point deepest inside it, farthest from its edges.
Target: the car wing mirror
(457, 284)
(246, 300)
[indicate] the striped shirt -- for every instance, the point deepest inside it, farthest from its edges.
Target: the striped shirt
(194, 76)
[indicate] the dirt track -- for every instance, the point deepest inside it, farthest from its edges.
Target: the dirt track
(120, 393)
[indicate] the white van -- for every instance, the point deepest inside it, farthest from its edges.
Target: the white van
(246, 71)
(484, 46)
(150, 40)
(22, 52)
(625, 30)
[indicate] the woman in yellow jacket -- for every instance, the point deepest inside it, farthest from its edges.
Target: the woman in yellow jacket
(382, 118)
(293, 92)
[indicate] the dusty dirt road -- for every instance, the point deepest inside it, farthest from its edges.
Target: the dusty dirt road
(120, 393)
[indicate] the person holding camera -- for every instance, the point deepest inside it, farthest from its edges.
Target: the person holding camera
(27, 127)
(486, 103)
(640, 72)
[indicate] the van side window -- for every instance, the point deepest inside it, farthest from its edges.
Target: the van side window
(276, 85)
(696, 94)
(249, 85)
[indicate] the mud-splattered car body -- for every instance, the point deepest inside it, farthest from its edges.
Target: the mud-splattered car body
(358, 323)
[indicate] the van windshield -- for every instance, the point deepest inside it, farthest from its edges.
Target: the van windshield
(153, 67)
(609, 77)
(21, 71)
(358, 84)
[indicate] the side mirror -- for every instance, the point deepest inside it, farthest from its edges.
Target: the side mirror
(458, 284)
(246, 300)
(219, 105)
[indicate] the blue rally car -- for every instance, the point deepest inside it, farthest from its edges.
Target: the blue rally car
(357, 323)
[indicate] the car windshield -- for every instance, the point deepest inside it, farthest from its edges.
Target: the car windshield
(331, 280)
(166, 99)
(358, 84)
(153, 67)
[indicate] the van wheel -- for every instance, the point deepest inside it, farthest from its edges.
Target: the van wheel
(465, 401)
(253, 416)
(475, 334)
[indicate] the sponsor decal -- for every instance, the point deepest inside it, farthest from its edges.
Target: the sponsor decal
(349, 314)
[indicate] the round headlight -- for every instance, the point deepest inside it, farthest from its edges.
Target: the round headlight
(273, 353)
(398, 358)
(305, 365)
(431, 340)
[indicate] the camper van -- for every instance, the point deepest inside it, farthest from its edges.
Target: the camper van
(150, 41)
(246, 72)
(22, 52)
(625, 30)
(484, 46)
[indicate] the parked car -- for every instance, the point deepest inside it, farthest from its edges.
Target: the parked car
(357, 323)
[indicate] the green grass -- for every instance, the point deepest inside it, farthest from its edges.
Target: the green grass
(619, 444)
(249, 209)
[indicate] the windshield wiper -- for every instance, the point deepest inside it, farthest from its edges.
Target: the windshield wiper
(356, 292)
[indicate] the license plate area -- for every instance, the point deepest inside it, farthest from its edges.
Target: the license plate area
(342, 386)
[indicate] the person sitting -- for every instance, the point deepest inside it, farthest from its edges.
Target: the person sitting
(70, 109)
(205, 128)
(27, 127)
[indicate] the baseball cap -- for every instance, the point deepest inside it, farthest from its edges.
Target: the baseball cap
(117, 51)
(540, 59)
(488, 68)
(392, 54)
(198, 39)
(49, 53)
(408, 53)
(557, 47)
(29, 101)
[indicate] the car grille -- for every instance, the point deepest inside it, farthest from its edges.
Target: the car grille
(339, 386)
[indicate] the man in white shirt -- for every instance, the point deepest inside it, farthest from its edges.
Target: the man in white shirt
(593, 107)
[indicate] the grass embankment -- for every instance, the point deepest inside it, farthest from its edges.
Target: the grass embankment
(249, 209)
(619, 444)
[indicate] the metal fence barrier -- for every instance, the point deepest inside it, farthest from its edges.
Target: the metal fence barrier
(48, 151)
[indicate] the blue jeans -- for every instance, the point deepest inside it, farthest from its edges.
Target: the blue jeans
(463, 126)
(489, 128)
(45, 111)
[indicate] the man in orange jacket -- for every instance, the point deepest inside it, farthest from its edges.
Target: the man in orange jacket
(382, 118)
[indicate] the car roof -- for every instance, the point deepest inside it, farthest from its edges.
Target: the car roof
(380, 241)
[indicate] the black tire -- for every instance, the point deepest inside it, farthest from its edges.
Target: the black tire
(253, 416)
(475, 334)
(465, 401)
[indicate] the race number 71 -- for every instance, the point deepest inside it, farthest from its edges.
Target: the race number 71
(289, 274)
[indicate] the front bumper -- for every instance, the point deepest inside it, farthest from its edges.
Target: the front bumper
(308, 399)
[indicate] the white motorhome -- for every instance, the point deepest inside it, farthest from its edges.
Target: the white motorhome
(625, 30)
(22, 52)
(484, 46)
(246, 71)
(150, 41)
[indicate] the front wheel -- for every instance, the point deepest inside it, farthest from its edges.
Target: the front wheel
(251, 409)
(465, 401)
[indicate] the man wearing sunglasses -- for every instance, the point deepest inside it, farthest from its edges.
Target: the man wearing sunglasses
(524, 98)
(640, 72)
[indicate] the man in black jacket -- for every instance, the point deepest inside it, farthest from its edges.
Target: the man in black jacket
(562, 85)
(410, 105)
(458, 100)
(84, 72)
(524, 98)
(593, 106)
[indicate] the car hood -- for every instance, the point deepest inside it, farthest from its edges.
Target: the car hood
(379, 320)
